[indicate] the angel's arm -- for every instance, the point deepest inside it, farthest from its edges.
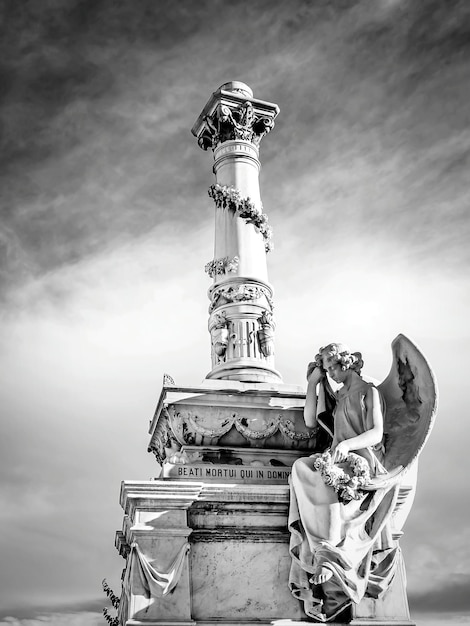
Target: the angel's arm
(314, 376)
(369, 437)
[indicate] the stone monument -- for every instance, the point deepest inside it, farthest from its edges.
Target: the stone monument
(207, 541)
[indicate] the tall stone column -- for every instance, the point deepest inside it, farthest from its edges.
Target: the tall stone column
(241, 321)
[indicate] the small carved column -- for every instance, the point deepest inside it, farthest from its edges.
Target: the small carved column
(241, 320)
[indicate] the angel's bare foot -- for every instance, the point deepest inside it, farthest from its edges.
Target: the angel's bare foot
(321, 576)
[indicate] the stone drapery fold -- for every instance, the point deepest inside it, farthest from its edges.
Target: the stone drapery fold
(352, 541)
(153, 581)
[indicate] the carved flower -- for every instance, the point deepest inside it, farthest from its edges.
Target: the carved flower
(346, 486)
(221, 266)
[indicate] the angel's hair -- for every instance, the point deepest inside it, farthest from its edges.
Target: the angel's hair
(340, 354)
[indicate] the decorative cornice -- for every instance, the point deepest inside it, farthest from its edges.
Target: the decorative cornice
(172, 493)
(285, 396)
(229, 198)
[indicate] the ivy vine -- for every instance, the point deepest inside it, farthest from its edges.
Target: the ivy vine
(112, 621)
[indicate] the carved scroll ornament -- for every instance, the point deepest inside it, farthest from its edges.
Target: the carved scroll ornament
(232, 123)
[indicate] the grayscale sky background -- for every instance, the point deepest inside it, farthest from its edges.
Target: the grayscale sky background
(106, 227)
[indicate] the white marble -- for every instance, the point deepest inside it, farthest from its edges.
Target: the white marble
(232, 124)
(241, 580)
(392, 609)
(238, 564)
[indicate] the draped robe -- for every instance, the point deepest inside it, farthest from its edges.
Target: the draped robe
(353, 541)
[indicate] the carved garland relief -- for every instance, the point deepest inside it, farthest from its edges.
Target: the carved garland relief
(239, 293)
(230, 198)
(184, 427)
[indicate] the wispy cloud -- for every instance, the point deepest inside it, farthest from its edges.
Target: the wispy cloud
(91, 154)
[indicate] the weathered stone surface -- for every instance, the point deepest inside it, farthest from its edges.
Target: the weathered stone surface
(226, 473)
(230, 416)
(239, 580)
(391, 610)
(231, 465)
(238, 564)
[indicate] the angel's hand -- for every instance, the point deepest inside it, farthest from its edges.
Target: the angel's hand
(314, 373)
(341, 452)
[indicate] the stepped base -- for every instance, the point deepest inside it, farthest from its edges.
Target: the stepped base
(236, 567)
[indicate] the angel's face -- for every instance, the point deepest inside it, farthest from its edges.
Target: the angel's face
(334, 369)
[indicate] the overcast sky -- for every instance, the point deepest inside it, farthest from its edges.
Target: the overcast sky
(106, 227)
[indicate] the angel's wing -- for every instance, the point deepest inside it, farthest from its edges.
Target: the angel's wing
(410, 394)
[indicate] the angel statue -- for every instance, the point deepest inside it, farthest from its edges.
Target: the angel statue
(348, 503)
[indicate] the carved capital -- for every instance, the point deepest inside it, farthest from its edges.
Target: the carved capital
(229, 123)
(233, 114)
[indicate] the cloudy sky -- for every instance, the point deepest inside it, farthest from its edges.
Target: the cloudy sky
(106, 227)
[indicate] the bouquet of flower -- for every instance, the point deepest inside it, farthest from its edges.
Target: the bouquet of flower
(347, 486)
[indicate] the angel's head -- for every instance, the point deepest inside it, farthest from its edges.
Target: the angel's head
(336, 359)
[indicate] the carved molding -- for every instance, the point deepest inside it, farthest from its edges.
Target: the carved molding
(239, 293)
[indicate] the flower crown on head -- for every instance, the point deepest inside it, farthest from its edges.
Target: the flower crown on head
(340, 354)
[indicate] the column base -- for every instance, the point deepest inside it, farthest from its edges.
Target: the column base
(244, 372)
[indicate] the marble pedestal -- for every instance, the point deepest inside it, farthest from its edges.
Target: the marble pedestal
(235, 562)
